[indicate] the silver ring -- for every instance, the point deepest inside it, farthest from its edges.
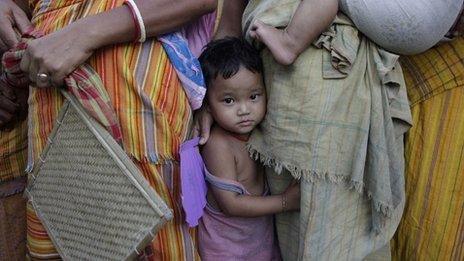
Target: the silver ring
(42, 77)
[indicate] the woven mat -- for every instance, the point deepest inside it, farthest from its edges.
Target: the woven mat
(91, 198)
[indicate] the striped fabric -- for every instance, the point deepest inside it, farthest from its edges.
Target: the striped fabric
(83, 83)
(13, 152)
(432, 227)
(132, 75)
(151, 107)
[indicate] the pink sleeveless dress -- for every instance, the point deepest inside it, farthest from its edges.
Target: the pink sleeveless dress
(228, 238)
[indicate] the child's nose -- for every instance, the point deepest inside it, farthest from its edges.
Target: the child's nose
(243, 109)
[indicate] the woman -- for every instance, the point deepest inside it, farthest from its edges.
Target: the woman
(433, 220)
(152, 109)
(13, 143)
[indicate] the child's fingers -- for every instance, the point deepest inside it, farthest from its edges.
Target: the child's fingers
(196, 131)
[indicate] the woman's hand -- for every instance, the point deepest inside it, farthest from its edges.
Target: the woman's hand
(12, 18)
(292, 195)
(49, 59)
(202, 125)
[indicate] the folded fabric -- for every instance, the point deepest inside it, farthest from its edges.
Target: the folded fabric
(403, 27)
(187, 67)
(192, 181)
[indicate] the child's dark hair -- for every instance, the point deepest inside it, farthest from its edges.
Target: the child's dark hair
(225, 56)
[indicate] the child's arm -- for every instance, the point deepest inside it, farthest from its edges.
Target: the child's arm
(221, 163)
(311, 18)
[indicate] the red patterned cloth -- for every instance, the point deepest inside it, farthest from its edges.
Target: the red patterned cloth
(84, 83)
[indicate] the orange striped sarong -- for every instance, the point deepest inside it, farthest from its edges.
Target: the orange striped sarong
(432, 227)
(13, 145)
(13, 152)
(153, 111)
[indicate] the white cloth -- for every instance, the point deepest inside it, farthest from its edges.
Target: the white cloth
(403, 26)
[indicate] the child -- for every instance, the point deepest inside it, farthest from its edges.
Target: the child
(238, 222)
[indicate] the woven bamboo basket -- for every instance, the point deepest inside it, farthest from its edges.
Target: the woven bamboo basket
(91, 198)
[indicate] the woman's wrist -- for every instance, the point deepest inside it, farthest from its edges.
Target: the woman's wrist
(112, 27)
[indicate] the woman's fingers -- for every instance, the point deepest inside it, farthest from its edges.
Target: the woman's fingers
(55, 55)
(11, 17)
(7, 33)
(22, 22)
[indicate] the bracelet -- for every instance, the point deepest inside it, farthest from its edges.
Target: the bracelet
(138, 20)
(136, 24)
(284, 202)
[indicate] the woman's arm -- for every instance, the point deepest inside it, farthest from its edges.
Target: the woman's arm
(231, 20)
(160, 16)
(59, 53)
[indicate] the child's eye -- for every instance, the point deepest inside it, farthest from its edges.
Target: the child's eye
(254, 96)
(228, 100)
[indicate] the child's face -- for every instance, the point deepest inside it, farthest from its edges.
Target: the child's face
(238, 104)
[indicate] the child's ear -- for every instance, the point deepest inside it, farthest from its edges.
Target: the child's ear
(208, 109)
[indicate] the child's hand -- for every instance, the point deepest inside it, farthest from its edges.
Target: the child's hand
(202, 125)
(292, 196)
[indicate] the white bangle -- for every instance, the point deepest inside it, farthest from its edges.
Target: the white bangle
(135, 9)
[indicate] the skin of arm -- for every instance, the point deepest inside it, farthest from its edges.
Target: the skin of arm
(221, 163)
(231, 20)
(59, 53)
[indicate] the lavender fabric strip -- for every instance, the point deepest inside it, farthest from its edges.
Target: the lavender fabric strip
(187, 67)
(192, 181)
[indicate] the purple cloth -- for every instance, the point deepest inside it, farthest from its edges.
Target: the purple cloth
(192, 181)
(199, 32)
(235, 238)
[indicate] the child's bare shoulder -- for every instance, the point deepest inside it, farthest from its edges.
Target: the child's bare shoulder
(218, 153)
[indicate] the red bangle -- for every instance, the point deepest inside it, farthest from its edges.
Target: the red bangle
(136, 23)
